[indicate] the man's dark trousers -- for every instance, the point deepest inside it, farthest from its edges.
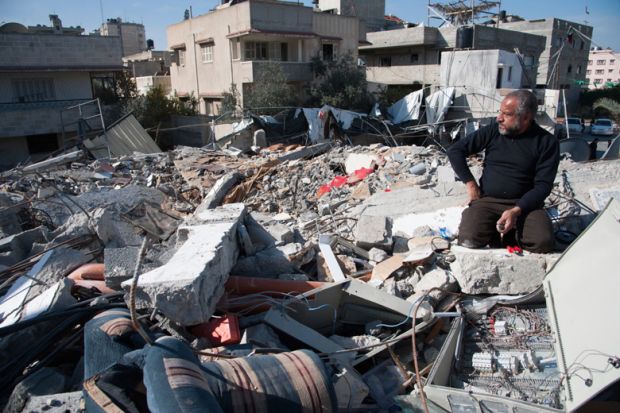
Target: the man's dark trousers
(533, 232)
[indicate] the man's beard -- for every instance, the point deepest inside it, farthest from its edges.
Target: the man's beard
(514, 130)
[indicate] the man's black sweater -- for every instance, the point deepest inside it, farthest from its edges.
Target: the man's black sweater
(521, 167)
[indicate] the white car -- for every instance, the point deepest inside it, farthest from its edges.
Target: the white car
(574, 125)
(602, 127)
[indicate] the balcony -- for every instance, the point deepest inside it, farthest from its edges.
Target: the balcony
(294, 71)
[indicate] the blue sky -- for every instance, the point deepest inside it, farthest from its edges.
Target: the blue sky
(157, 14)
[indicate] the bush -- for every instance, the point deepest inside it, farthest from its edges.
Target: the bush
(340, 83)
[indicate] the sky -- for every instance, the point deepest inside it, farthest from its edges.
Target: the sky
(157, 14)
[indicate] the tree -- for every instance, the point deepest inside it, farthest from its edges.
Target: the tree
(270, 89)
(609, 107)
(230, 99)
(340, 83)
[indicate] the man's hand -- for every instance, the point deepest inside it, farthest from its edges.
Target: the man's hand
(508, 220)
(473, 190)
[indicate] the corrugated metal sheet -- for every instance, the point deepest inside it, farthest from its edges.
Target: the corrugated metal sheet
(124, 138)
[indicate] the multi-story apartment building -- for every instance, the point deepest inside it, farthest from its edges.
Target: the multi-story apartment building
(43, 71)
(411, 58)
(370, 12)
(603, 68)
(132, 35)
(231, 44)
(150, 69)
(562, 64)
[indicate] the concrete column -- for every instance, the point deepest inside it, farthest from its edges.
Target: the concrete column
(300, 53)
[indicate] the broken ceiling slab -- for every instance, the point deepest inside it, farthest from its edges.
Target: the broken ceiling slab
(124, 137)
(56, 161)
(187, 288)
(447, 218)
(495, 271)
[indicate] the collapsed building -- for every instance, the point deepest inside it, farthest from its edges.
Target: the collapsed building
(229, 268)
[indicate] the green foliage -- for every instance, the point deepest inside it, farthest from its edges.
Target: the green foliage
(588, 98)
(607, 107)
(269, 90)
(340, 83)
(230, 99)
(155, 108)
(125, 86)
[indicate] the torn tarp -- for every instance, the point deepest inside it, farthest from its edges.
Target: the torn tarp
(437, 106)
(406, 109)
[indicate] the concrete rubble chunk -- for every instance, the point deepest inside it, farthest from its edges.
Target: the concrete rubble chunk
(435, 278)
(373, 232)
(495, 271)
(187, 288)
(347, 265)
(377, 255)
(220, 189)
(43, 382)
(119, 264)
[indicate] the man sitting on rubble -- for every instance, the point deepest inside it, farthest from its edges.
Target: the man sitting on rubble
(520, 163)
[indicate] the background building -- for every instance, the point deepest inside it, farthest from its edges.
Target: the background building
(43, 71)
(563, 63)
(603, 68)
(410, 59)
(370, 12)
(132, 35)
(150, 69)
(230, 45)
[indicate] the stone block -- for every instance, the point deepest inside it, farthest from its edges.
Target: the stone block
(187, 288)
(435, 278)
(495, 271)
(373, 232)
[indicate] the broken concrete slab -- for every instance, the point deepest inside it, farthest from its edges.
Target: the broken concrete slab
(119, 264)
(218, 191)
(447, 219)
(495, 271)
(373, 232)
(56, 161)
(187, 288)
(17, 247)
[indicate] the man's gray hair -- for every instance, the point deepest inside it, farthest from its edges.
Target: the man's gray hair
(527, 102)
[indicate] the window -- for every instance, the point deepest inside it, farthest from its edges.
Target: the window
(206, 52)
(610, 70)
(278, 51)
(600, 62)
(598, 81)
(328, 51)
(612, 61)
(255, 51)
(569, 69)
(33, 90)
(588, 72)
(509, 78)
(581, 45)
(385, 61)
(42, 143)
(181, 53)
(414, 58)
(590, 62)
(579, 69)
(599, 71)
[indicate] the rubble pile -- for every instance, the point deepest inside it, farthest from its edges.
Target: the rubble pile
(330, 259)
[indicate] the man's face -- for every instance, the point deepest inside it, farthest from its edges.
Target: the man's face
(510, 123)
